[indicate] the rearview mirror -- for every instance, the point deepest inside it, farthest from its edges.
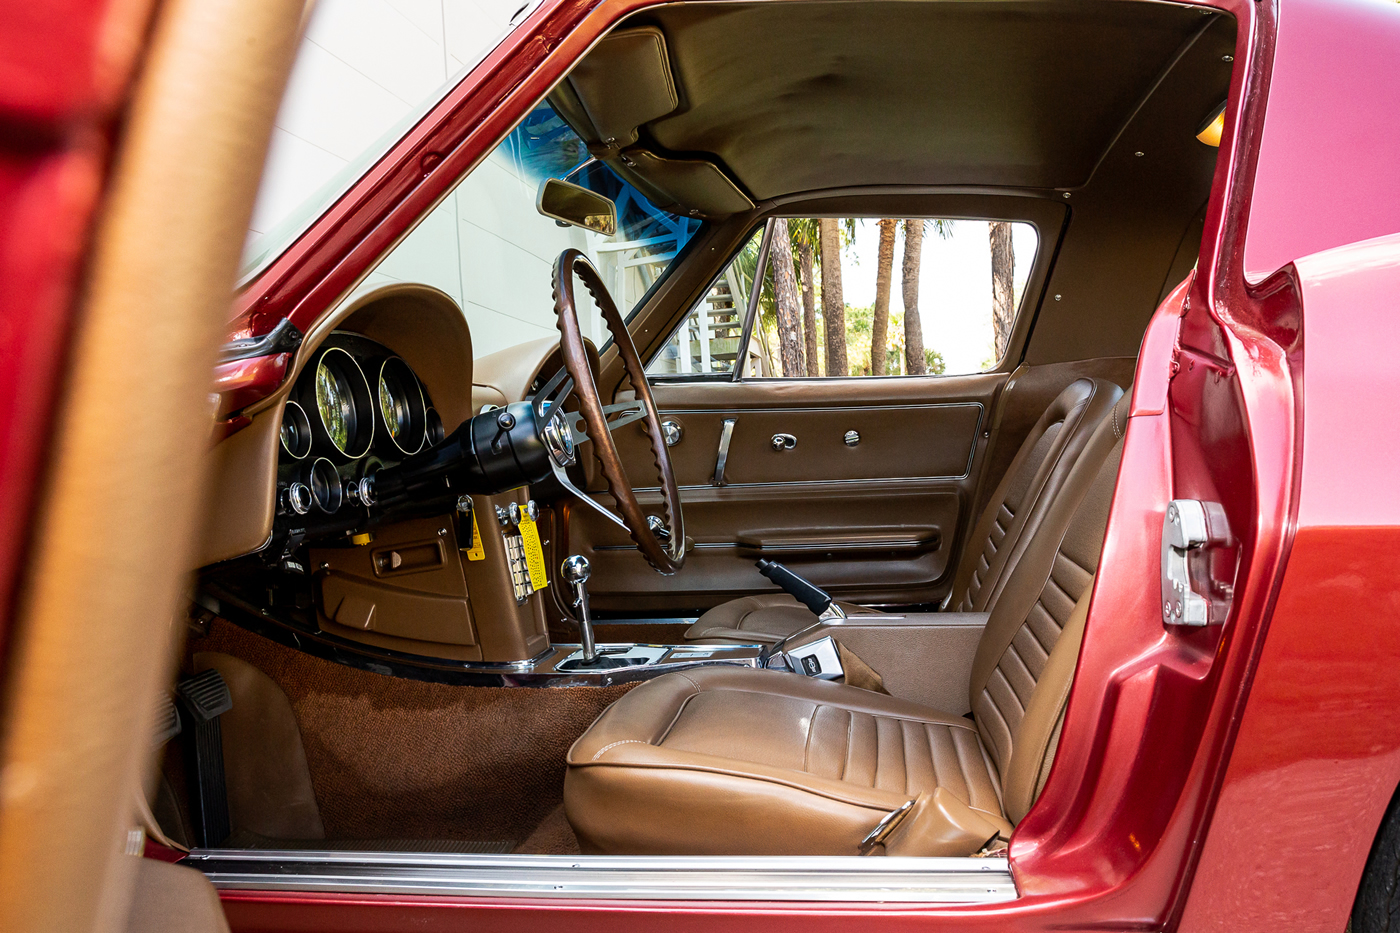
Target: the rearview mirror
(575, 205)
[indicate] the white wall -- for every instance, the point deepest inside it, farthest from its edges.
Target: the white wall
(364, 68)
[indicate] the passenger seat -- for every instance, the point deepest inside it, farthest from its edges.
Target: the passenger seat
(736, 761)
(1006, 525)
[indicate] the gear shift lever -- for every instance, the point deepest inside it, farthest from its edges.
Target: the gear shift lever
(576, 572)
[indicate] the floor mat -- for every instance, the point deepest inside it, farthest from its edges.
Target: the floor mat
(397, 759)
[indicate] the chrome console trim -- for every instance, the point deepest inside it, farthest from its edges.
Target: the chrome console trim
(674, 878)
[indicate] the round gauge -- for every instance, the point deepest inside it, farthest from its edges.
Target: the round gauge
(296, 431)
(324, 482)
(401, 407)
(343, 404)
(436, 432)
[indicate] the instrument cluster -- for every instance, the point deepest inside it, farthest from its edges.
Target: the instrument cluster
(356, 407)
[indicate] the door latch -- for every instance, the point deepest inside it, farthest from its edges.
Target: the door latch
(1196, 548)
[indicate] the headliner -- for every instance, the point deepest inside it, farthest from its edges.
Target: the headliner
(787, 97)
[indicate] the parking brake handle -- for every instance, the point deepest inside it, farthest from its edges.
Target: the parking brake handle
(806, 593)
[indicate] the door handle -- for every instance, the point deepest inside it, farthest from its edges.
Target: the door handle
(1193, 535)
(726, 433)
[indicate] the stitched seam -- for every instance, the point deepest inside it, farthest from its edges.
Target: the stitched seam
(933, 755)
(850, 736)
(679, 709)
(992, 773)
(807, 746)
(904, 750)
(600, 751)
(962, 770)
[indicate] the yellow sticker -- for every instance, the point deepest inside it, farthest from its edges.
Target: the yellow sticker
(476, 551)
(534, 553)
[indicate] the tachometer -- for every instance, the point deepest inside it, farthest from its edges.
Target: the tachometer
(401, 405)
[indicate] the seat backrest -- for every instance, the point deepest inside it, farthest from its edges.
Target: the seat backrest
(1032, 481)
(1025, 662)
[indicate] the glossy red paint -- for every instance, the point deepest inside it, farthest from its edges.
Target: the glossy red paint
(1318, 756)
(63, 69)
(1327, 163)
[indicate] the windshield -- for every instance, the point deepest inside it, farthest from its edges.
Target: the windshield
(488, 247)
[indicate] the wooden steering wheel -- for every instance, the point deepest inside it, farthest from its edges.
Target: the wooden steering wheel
(661, 542)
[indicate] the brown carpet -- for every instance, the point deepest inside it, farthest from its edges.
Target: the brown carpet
(554, 836)
(401, 759)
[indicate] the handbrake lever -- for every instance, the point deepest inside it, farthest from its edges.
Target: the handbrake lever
(805, 592)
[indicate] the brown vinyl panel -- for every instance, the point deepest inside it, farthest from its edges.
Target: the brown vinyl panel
(896, 442)
(877, 522)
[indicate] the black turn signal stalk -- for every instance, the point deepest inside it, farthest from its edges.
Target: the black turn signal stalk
(805, 592)
(495, 451)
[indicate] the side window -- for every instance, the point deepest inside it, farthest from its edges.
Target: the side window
(861, 297)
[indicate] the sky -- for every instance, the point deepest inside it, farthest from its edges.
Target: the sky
(955, 285)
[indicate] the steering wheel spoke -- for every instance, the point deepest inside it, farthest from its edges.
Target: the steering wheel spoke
(618, 414)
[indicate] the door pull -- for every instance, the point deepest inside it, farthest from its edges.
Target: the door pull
(726, 433)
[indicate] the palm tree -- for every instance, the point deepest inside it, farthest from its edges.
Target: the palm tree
(880, 325)
(833, 301)
(805, 236)
(1003, 284)
(788, 307)
(915, 359)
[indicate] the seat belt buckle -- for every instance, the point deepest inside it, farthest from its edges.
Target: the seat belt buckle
(886, 826)
(819, 659)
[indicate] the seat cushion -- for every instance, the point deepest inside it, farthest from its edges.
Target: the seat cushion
(758, 620)
(736, 761)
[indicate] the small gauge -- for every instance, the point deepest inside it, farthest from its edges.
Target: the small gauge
(296, 431)
(436, 432)
(324, 482)
(401, 406)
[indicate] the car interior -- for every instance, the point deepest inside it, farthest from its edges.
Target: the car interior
(469, 587)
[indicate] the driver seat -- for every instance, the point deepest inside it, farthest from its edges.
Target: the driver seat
(738, 761)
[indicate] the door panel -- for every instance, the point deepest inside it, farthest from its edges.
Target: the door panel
(879, 521)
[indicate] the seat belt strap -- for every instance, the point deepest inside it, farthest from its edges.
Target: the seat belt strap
(205, 697)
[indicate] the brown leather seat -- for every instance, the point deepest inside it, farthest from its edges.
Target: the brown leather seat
(741, 761)
(1036, 474)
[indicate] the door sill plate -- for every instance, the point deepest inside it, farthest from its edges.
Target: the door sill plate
(672, 878)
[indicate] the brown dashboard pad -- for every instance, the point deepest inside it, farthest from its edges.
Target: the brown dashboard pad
(392, 758)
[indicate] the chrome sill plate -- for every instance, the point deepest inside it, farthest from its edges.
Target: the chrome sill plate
(672, 878)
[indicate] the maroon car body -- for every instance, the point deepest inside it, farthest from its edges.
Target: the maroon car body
(1241, 772)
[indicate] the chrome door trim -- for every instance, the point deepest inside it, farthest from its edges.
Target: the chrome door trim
(760, 267)
(673, 878)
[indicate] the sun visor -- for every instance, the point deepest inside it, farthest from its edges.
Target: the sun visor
(624, 82)
(686, 186)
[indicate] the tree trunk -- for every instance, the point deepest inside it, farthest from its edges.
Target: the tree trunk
(789, 306)
(914, 362)
(809, 309)
(1003, 284)
(833, 302)
(880, 322)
